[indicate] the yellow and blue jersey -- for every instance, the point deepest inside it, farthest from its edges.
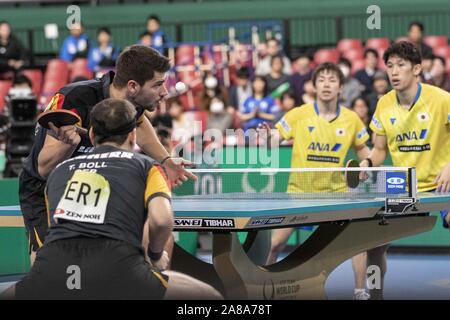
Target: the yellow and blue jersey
(419, 137)
(320, 143)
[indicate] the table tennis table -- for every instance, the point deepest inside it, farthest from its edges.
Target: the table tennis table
(346, 227)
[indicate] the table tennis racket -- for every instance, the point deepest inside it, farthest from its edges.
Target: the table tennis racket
(58, 117)
(352, 177)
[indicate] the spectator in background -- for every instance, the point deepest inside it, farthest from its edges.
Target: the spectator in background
(276, 77)
(287, 102)
(303, 74)
(181, 126)
(158, 36)
(12, 54)
(438, 76)
(145, 39)
(365, 76)
(21, 81)
(361, 107)
(103, 57)
(214, 99)
(258, 108)
(273, 49)
(380, 88)
(352, 88)
(427, 64)
(218, 117)
(241, 91)
(309, 95)
(211, 90)
(415, 36)
(76, 45)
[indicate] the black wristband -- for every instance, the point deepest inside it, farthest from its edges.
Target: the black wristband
(369, 161)
(168, 157)
(155, 256)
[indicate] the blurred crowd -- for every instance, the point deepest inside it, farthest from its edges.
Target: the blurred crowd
(260, 87)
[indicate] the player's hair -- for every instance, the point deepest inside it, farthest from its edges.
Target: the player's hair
(345, 62)
(405, 50)
(105, 30)
(112, 120)
(417, 24)
(440, 59)
(372, 51)
(263, 79)
(243, 73)
(331, 67)
(277, 56)
(20, 78)
(154, 17)
(139, 63)
(288, 94)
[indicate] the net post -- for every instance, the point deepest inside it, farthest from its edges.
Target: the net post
(412, 178)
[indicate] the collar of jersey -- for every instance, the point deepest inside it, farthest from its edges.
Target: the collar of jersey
(107, 80)
(316, 109)
(419, 91)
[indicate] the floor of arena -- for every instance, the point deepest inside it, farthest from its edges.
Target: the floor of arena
(409, 277)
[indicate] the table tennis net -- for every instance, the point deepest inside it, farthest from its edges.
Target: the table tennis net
(306, 183)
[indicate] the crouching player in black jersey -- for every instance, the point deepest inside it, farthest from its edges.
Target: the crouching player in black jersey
(98, 204)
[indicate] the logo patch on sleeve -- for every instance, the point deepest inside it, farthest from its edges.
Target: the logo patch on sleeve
(285, 125)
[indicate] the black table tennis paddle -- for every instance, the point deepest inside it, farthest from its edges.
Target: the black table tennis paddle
(59, 118)
(352, 177)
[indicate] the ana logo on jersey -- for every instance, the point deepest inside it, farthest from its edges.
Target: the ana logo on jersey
(317, 146)
(423, 116)
(411, 135)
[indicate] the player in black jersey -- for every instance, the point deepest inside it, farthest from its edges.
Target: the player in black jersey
(140, 76)
(98, 205)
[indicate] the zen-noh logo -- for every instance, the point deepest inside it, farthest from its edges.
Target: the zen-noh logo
(395, 182)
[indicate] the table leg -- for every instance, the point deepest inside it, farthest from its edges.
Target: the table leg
(303, 273)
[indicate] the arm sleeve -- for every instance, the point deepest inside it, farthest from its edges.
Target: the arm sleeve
(286, 125)
(157, 185)
(376, 125)
(447, 107)
(361, 135)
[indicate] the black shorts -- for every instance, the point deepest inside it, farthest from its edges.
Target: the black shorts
(34, 209)
(91, 268)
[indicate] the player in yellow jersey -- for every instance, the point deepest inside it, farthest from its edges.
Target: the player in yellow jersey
(412, 123)
(323, 132)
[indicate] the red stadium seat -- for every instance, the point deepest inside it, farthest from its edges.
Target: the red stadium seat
(349, 44)
(57, 70)
(443, 52)
(447, 65)
(5, 85)
(357, 65)
(185, 55)
(355, 54)
(79, 68)
(326, 55)
(378, 43)
(35, 76)
(436, 41)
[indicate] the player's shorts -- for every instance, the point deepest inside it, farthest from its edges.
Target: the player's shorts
(34, 209)
(91, 268)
